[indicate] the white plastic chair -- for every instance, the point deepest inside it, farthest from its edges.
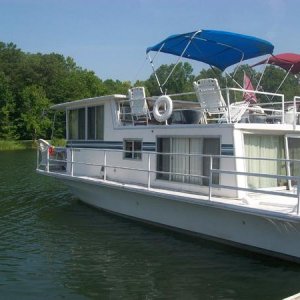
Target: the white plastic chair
(237, 110)
(209, 95)
(138, 104)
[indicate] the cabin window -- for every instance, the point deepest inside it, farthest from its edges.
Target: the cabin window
(95, 122)
(132, 149)
(264, 146)
(180, 155)
(77, 124)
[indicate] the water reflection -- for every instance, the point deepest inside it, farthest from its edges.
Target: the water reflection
(117, 258)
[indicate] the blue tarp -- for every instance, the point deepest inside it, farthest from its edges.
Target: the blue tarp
(220, 49)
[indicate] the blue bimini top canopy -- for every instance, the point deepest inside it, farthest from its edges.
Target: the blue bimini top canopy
(220, 49)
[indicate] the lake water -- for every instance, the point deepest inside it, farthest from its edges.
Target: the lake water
(54, 247)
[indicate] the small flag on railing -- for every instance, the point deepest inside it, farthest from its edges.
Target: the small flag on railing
(248, 96)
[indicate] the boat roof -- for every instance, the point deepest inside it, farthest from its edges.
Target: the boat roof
(220, 49)
(287, 61)
(87, 102)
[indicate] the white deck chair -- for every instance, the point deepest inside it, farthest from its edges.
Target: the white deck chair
(138, 104)
(237, 110)
(209, 95)
(211, 100)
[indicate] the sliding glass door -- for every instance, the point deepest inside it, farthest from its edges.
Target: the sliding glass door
(293, 153)
(269, 147)
(182, 158)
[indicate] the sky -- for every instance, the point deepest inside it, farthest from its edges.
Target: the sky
(110, 37)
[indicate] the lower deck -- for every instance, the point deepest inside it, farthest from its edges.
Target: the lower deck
(202, 170)
(278, 203)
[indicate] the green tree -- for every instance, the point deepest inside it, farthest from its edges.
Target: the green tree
(212, 73)
(272, 79)
(34, 122)
(180, 80)
(116, 87)
(7, 110)
(11, 59)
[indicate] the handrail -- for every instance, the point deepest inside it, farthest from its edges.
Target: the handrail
(282, 160)
(261, 191)
(255, 92)
(219, 156)
(105, 165)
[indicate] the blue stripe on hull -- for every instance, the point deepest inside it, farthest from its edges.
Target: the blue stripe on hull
(147, 146)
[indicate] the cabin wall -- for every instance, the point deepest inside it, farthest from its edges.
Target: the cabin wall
(121, 170)
(115, 135)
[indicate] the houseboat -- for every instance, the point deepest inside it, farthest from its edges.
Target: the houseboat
(212, 166)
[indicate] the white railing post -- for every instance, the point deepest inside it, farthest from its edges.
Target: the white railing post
(295, 114)
(72, 167)
(210, 177)
(104, 175)
(228, 105)
(149, 169)
(298, 195)
(282, 107)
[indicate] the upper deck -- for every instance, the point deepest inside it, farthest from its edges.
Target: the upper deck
(119, 111)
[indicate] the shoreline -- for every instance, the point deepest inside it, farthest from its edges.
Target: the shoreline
(12, 145)
(9, 145)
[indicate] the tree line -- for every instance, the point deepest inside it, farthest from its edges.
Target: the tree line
(31, 83)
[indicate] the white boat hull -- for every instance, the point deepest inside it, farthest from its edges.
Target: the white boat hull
(273, 235)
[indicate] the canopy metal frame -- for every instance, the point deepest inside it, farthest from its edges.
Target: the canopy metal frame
(190, 37)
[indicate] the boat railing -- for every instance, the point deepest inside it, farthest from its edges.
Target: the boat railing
(280, 111)
(70, 164)
(275, 192)
(258, 110)
(50, 158)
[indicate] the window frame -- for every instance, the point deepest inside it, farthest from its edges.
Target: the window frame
(134, 153)
(167, 166)
(76, 128)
